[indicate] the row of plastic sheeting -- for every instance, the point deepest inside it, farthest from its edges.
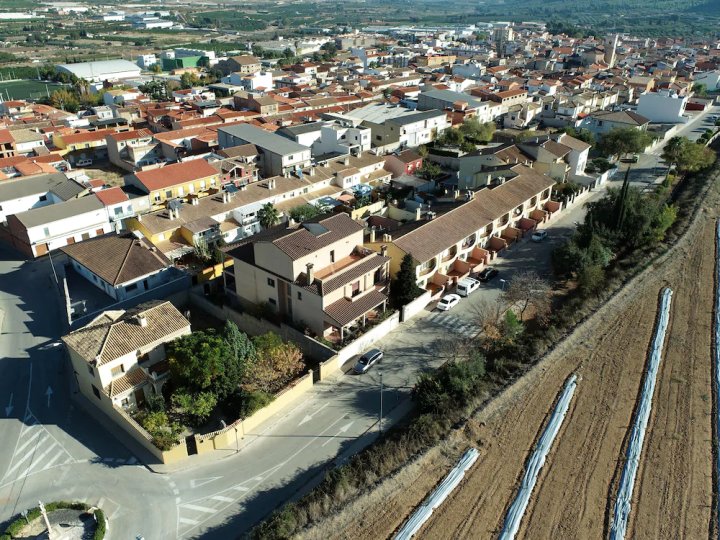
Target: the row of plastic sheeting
(536, 461)
(436, 498)
(717, 364)
(621, 513)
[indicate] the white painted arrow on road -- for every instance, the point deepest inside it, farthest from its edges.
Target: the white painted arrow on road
(48, 393)
(202, 481)
(10, 407)
(342, 430)
(309, 417)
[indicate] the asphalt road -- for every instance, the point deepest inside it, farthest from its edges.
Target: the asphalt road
(51, 449)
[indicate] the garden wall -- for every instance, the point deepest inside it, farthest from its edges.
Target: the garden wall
(416, 306)
(228, 437)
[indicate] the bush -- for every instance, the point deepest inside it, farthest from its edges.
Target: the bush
(16, 526)
(101, 525)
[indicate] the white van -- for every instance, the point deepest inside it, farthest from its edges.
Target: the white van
(84, 162)
(467, 286)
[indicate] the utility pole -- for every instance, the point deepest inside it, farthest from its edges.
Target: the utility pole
(381, 402)
(47, 521)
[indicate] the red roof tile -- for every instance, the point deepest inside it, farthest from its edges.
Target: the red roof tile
(175, 174)
(111, 196)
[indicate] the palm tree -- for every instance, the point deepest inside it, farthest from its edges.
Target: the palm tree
(268, 216)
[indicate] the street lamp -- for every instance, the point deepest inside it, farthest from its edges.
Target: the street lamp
(502, 284)
(381, 402)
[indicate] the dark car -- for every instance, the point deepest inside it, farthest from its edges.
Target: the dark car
(487, 274)
(367, 360)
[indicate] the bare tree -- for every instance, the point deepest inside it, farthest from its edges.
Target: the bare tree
(527, 289)
(487, 315)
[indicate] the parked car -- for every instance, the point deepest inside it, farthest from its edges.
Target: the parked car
(448, 301)
(467, 286)
(367, 360)
(487, 274)
(631, 159)
(539, 236)
(84, 162)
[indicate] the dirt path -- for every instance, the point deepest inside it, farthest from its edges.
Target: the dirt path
(674, 485)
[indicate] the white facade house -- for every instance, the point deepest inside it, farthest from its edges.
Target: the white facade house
(278, 155)
(24, 194)
(37, 231)
(251, 81)
(663, 106)
(146, 60)
(711, 79)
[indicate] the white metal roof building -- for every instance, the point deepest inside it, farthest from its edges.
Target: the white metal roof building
(103, 70)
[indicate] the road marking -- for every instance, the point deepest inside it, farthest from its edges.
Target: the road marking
(48, 393)
(54, 459)
(9, 407)
(343, 429)
(37, 433)
(188, 521)
(221, 498)
(309, 417)
(38, 460)
(202, 481)
(199, 508)
(240, 488)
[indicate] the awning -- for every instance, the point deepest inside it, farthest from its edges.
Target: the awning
(345, 311)
(538, 215)
(552, 206)
(527, 224)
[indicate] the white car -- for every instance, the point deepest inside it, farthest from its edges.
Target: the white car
(539, 236)
(448, 301)
(467, 286)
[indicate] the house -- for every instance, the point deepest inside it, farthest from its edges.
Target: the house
(119, 357)
(663, 106)
(402, 163)
(176, 180)
(83, 145)
(240, 64)
(450, 246)
(278, 155)
(118, 204)
(316, 274)
(122, 266)
(28, 141)
(22, 194)
(134, 149)
(37, 231)
(447, 99)
(601, 122)
(343, 136)
(14, 108)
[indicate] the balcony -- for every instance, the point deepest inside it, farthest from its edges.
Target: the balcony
(469, 241)
(427, 269)
(450, 255)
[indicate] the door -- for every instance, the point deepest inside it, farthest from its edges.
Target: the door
(139, 396)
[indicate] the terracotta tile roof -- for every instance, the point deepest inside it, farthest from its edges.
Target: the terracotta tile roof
(117, 333)
(310, 237)
(362, 267)
(117, 259)
(572, 142)
(435, 236)
(87, 136)
(111, 196)
(175, 174)
(131, 135)
(556, 148)
(133, 378)
(345, 311)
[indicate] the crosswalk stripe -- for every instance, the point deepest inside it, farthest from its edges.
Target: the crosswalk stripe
(240, 488)
(221, 498)
(27, 442)
(19, 462)
(54, 459)
(188, 521)
(38, 460)
(199, 508)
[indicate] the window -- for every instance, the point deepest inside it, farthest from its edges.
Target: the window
(131, 287)
(168, 194)
(46, 231)
(43, 198)
(118, 210)
(299, 295)
(91, 371)
(272, 301)
(355, 288)
(125, 402)
(290, 158)
(332, 256)
(96, 391)
(157, 197)
(85, 236)
(117, 370)
(181, 191)
(271, 282)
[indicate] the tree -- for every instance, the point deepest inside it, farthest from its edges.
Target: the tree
(621, 141)
(155, 90)
(430, 170)
(188, 80)
(304, 212)
(197, 360)
(156, 68)
(404, 289)
(268, 215)
(65, 100)
(241, 354)
(423, 151)
(452, 137)
(473, 129)
(582, 134)
(197, 406)
(693, 157)
(700, 89)
(468, 147)
(529, 289)
(274, 365)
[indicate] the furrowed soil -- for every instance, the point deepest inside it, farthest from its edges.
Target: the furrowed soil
(575, 492)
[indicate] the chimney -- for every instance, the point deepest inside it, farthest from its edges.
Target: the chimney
(312, 171)
(139, 218)
(372, 234)
(456, 194)
(224, 197)
(383, 250)
(310, 273)
(142, 320)
(346, 161)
